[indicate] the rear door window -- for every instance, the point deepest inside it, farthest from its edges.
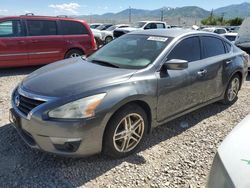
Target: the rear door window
(12, 28)
(73, 28)
(188, 49)
(212, 46)
(41, 27)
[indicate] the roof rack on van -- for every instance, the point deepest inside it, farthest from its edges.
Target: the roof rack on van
(29, 14)
(62, 16)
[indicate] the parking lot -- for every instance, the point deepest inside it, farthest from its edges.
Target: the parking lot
(178, 154)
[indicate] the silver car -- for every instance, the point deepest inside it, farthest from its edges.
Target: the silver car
(231, 166)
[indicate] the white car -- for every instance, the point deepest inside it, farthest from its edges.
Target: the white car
(98, 37)
(231, 166)
(108, 35)
(142, 25)
(231, 36)
(94, 25)
(217, 30)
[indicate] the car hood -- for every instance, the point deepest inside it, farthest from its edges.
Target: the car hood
(73, 77)
(128, 29)
(235, 154)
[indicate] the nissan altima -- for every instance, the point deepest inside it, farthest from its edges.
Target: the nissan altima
(109, 101)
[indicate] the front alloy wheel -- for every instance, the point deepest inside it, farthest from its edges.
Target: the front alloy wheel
(125, 131)
(128, 133)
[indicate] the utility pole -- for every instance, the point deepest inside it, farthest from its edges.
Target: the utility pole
(222, 16)
(162, 14)
(212, 13)
(129, 12)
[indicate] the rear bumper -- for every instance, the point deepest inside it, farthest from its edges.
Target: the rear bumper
(82, 138)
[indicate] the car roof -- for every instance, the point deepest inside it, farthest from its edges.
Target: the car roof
(122, 25)
(213, 28)
(95, 24)
(148, 21)
(173, 33)
(230, 34)
(40, 17)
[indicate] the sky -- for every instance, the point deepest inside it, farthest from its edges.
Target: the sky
(88, 7)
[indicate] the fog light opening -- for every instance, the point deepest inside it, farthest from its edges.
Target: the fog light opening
(66, 144)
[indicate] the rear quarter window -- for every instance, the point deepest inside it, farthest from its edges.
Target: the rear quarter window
(11, 28)
(160, 26)
(73, 28)
(228, 47)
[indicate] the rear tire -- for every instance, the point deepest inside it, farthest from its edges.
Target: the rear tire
(232, 90)
(73, 53)
(125, 131)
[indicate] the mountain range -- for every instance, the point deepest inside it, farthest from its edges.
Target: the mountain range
(192, 12)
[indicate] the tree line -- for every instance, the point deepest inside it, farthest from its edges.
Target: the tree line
(220, 21)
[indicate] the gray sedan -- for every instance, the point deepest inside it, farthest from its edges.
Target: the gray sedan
(111, 100)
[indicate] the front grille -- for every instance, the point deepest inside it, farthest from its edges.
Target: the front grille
(25, 104)
(118, 34)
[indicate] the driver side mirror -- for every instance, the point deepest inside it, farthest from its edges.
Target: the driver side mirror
(176, 64)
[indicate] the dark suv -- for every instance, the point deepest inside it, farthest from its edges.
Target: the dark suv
(34, 40)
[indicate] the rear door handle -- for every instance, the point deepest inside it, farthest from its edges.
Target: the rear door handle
(34, 41)
(202, 72)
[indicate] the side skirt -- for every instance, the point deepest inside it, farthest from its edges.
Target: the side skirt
(186, 112)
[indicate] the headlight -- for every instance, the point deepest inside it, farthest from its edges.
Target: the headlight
(83, 108)
(103, 35)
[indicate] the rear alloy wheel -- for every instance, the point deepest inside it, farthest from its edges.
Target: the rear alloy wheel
(73, 53)
(108, 39)
(125, 131)
(232, 90)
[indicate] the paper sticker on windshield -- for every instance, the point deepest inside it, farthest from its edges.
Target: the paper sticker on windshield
(159, 39)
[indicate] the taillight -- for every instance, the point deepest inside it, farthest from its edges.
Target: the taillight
(93, 43)
(246, 57)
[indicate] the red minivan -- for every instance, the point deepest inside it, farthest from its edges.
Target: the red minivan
(35, 40)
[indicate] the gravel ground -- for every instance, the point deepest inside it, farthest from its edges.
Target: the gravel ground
(178, 154)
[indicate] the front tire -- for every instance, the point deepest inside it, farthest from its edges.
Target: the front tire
(232, 90)
(125, 131)
(108, 39)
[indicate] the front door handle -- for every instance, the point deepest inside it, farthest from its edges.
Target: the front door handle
(34, 41)
(21, 42)
(202, 72)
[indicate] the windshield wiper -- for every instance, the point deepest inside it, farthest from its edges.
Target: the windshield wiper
(101, 62)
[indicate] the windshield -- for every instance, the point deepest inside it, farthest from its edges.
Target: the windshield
(104, 26)
(231, 38)
(94, 26)
(208, 29)
(112, 28)
(138, 24)
(131, 51)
